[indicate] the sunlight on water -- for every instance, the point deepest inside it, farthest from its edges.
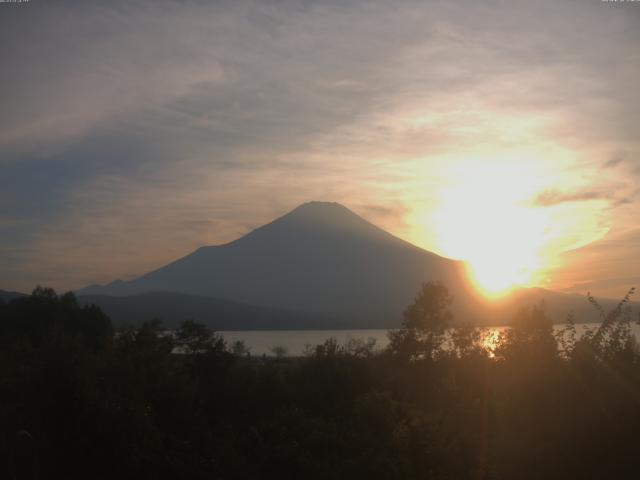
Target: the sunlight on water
(490, 339)
(296, 342)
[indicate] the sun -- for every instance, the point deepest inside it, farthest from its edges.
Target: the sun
(484, 217)
(492, 211)
(485, 223)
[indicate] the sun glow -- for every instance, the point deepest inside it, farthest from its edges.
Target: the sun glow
(486, 216)
(484, 222)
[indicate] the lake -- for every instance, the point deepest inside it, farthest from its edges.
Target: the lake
(296, 341)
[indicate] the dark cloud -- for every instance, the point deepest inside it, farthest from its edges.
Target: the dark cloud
(616, 159)
(616, 195)
(554, 197)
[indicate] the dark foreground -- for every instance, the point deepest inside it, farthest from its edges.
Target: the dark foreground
(78, 401)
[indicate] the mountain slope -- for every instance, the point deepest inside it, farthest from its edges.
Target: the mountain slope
(320, 258)
(323, 261)
(7, 296)
(173, 308)
(557, 306)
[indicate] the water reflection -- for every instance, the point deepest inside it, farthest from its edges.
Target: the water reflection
(296, 342)
(491, 338)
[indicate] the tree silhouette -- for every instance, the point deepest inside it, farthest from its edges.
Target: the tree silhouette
(146, 402)
(424, 323)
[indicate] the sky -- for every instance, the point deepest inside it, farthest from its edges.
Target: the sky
(504, 133)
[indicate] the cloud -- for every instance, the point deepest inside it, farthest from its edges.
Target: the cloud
(132, 132)
(615, 196)
(76, 68)
(555, 197)
(616, 159)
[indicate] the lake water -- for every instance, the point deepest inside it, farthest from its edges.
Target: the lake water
(296, 341)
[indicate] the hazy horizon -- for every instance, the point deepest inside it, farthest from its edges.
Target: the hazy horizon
(504, 134)
(319, 239)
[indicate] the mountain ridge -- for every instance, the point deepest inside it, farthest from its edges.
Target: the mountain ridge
(218, 314)
(7, 295)
(320, 257)
(323, 259)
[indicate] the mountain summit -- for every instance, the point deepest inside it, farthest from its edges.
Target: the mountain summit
(318, 266)
(318, 225)
(319, 258)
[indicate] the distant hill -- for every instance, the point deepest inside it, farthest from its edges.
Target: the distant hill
(8, 296)
(321, 259)
(173, 308)
(557, 306)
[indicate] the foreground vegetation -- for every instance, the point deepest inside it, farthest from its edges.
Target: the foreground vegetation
(78, 400)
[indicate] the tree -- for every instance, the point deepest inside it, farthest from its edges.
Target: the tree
(195, 338)
(239, 349)
(424, 323)
(280, 351)
(530, 337)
